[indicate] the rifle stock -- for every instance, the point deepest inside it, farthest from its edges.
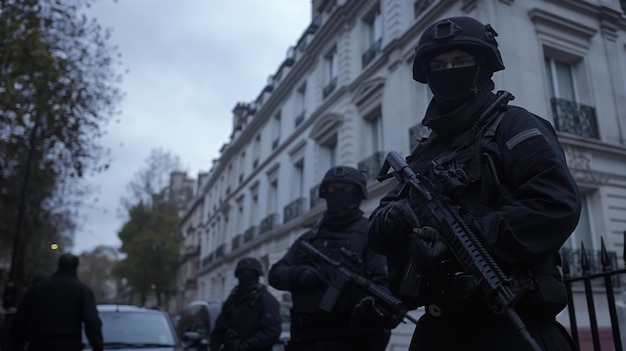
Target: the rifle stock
(436, 212)
(342, 275)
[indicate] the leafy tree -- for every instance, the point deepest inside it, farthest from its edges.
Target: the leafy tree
(58, 90)
(150, 237)
(96, 270)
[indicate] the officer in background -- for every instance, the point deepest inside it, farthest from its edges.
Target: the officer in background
(342, 229)
(53, 311)
(512, 185)
(250, 318)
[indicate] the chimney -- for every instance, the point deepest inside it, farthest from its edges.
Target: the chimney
(239, 115)
(315, 6)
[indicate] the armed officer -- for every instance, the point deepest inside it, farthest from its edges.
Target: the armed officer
(342, 235)
(507, 174)
(250, 317)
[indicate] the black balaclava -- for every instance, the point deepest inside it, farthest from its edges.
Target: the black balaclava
(453, 87)
(342, 208)
(248, 280)
(343, 200)
(447, 122)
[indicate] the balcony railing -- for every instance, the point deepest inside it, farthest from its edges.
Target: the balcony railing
(371, 53)
(219, 252)
(329, 87)
(268, 223)
(250, 233)
(294, 209)
(420, 6)
(574, 118)
(416, 133)
(314, 196)
(371, 165)
(236, 242)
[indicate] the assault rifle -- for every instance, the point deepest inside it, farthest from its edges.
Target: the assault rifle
(436, 211)
(341, 275)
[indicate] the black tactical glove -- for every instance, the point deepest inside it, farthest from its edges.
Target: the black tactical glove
(398, 220)
(308, 276)
(367, 315)
(428, 246)
(243, 346)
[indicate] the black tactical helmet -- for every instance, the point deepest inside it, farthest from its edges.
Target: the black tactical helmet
(249, 263)
(343, 174)
(457, 33)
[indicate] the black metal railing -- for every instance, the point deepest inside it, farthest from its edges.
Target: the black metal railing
(370, 166)
(219, 252)
(417, 133)
(420, 6)
(329, 88)
(236, 242)
(574, 118)
(590, 271)
(372, 53)
(294, 209)
(250, 233)
(268, 223)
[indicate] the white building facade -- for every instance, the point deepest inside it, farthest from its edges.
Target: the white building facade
(344, 96)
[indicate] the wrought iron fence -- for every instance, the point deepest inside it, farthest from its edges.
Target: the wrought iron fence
(586, 270)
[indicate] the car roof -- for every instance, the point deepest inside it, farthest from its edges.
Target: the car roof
(125, 308)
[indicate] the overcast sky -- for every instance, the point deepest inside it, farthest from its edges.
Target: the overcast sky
(189, 62)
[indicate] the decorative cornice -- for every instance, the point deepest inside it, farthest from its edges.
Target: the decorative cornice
(544, 18)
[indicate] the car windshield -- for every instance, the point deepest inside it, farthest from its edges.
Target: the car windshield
(136, 328)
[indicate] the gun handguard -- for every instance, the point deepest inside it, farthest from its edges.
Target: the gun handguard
(379, 293)
(470, 253)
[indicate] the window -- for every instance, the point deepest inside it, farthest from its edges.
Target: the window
(254, 204)
(569, 114)
(332, 71)
(300, 104)
(276, 125)
(375, 127)
(560, 79)
(374, 29)
(297, 180)
(272, 198)
(329, 152)
(240, 216)
(242, 165)
(257, 151)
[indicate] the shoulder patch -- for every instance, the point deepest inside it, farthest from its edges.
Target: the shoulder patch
(511, 143)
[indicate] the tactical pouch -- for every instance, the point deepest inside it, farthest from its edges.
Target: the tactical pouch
(549, 296)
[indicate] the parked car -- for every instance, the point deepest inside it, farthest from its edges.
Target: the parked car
(126, 327)
(197, 322)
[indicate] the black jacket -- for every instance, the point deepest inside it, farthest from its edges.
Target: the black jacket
(522, 223)
(310, 324)
(51, 314)
(252, 317)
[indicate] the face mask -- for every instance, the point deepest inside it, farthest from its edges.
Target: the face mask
(341, 199)
(454, 85)
(247, 279)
